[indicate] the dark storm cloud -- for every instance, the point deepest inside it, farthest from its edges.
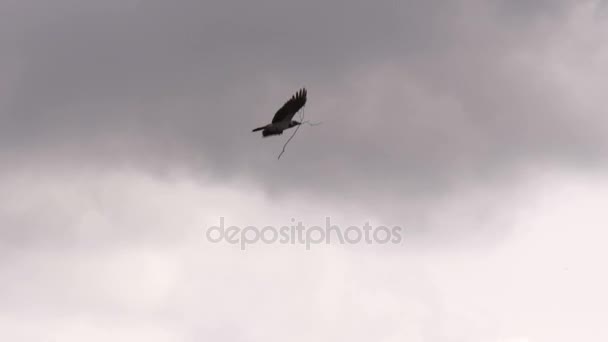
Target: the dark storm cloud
(414, 95)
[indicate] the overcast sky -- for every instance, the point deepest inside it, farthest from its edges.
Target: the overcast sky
(479, 126)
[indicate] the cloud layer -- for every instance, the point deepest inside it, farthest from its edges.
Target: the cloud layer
(421, 95)
(478, 126)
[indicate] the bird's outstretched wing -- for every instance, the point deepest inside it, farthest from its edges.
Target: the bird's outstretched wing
(291, 107)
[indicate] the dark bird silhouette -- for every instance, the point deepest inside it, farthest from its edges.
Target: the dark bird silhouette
(283, 119)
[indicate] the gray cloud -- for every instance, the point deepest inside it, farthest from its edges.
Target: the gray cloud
(418, 94)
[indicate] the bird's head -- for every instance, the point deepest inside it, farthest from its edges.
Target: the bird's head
(294, 123)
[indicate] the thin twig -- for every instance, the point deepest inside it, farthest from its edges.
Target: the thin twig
(293, 135)
(302, 122)
(287, 142)
(312, 124)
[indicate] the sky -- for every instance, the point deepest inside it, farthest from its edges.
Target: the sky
(476, 126)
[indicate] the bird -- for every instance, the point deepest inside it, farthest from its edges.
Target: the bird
(283, 118)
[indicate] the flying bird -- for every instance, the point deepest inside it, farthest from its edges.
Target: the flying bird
(283, 119)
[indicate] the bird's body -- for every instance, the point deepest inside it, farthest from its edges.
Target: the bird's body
(276, 128)
(283, 117)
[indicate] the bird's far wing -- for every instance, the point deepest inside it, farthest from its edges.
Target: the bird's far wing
(291, 107)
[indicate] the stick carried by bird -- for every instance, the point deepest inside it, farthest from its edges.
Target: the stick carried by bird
(283, 118)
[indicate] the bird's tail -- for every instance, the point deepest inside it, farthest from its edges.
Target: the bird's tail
(259, 129)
